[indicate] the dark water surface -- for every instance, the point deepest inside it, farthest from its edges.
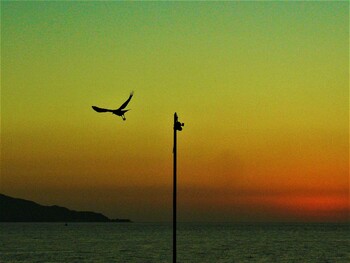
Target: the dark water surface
(152, 242)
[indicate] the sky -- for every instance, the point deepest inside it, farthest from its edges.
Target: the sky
(262, 87)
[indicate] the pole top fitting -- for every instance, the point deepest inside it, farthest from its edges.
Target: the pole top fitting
(177, 125)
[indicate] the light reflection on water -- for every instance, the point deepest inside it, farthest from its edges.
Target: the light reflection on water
(152, 242)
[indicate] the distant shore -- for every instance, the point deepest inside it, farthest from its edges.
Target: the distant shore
(21, 210)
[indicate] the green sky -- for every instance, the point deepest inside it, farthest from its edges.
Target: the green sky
(263, 89)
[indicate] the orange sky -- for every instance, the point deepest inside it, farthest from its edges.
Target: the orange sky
(263, 89)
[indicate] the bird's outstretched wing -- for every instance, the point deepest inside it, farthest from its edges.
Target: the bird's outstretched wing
(127, 101)
(100, 109)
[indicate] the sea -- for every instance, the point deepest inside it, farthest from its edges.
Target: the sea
(196, 242)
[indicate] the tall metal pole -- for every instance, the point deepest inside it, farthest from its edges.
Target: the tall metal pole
(177, 127)
(174, 192)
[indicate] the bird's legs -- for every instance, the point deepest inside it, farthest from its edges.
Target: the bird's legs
(123, 117)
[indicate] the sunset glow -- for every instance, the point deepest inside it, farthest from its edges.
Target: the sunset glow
(262, 87)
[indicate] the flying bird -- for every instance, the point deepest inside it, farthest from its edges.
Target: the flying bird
(120, 111)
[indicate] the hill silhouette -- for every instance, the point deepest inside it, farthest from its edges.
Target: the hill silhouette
(20, 210)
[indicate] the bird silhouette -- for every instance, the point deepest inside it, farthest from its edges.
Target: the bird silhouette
(120, 111)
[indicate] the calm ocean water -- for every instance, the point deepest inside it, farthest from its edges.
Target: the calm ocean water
(152, 242)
